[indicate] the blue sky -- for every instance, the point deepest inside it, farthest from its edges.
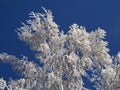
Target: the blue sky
(89, 13)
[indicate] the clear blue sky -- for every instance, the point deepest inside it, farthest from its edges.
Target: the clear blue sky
(89, 13)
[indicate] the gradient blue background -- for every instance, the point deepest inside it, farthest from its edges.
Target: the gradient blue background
(89, 13)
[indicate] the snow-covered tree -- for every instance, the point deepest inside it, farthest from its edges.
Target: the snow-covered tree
(66, 58)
